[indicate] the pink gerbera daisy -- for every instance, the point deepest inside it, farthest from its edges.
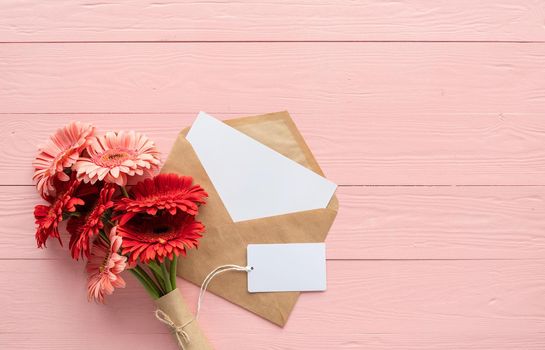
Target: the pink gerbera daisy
(61, 151)
(168, 192)
(49, 217)
(104, 267)
(83, 229)
(117, 155)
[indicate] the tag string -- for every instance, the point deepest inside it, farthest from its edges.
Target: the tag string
(218, 270)
(181, 335)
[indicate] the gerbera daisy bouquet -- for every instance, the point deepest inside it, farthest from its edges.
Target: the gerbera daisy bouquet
(141, 229)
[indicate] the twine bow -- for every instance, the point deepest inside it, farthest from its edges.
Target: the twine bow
(179, 332)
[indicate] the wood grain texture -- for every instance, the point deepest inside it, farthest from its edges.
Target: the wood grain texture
(418, 299)
(371, 149)
(287, 341)
(429, 114)
(147, 20)
(373, 223)
(326, 79)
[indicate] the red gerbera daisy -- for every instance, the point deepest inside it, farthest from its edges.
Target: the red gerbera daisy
(49, 217)
(169, 192)
(83, 228)
(161, 236)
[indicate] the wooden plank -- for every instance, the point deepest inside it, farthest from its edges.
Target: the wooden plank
(373, 223)
(422, 298)
(326, 79)
(283, 341)
(146, 20)
(373, 149)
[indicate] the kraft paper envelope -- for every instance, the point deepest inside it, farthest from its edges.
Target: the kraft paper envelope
(225, 241)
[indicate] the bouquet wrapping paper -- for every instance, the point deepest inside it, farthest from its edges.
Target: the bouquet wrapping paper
(175, 307)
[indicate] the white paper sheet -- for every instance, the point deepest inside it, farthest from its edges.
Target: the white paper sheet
(252, 180)
(286, 267)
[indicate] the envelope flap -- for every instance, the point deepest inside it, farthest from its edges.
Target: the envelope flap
(278, 131)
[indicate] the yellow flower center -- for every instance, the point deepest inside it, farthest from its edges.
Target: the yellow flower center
(114, 157)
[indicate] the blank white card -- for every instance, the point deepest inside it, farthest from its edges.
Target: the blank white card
(252, 180)
(286, 267)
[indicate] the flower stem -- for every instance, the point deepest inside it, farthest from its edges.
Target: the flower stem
(173, 268)
(124, 191)
(150, 281)
(160, 282)
(103, 236)
(158, 274)
(152, 290)
(166, 276)
(67, 215)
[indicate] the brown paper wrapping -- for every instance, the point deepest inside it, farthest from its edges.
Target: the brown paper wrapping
(174, 305)
(224, 241)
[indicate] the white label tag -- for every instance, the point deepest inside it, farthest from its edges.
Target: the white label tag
(286, 267)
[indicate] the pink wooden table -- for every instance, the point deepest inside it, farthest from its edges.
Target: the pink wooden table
(430, 115)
